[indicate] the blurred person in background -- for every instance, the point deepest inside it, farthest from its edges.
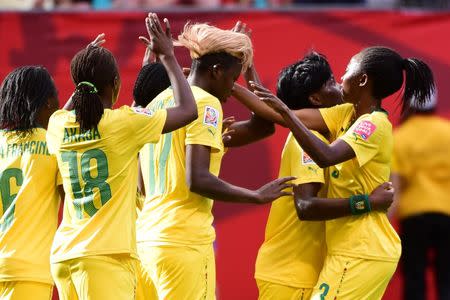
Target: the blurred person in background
(26, 4)
(421, 176)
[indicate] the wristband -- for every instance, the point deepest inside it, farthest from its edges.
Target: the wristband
(359, 204)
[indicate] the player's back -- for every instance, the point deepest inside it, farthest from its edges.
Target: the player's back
(30, 202)
(421, 149)
(171, 212)
(99, 171)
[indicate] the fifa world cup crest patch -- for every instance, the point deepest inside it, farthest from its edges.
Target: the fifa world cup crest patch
(143, 111)
(211, 117)
(306, 159)
(365, 129)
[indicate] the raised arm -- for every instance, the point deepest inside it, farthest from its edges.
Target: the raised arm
(160, 43)
(310, 117)
(312, 208)
(202, 182)
(323, 154)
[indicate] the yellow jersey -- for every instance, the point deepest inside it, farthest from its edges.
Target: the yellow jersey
(172, 214)
(293, 251)
(369, 236)
(424, 164)
(29, 206)
(99, 172)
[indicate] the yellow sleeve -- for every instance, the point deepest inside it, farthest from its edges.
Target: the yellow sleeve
(207, 128)
(334, 117)
(146, 125)
(365, 137)
(51, 135)
(303, 167)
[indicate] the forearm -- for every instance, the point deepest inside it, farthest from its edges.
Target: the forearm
(181, 90)
(215, 188)
(252, 102)
(320, 209)
(318, 150)
(251, 75)
(249, 131)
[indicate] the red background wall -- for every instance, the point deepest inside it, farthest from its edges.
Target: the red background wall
(51, 39)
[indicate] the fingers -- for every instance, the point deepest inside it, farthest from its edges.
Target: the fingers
(148, 26)
(258, 87)
(387, 186)
(186, 71)
(284, 180)
(144, 40)
(237, 27)
(168, 30)
(156, 23)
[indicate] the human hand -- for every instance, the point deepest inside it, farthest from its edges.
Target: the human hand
(268, 98)
(274, 190)
(159, 41)
(382, 197)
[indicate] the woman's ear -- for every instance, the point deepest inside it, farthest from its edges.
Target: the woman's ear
(363, 79)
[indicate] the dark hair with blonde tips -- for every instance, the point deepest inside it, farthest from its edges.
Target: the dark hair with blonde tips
(97, 66)
(385, 68)
(23, 93)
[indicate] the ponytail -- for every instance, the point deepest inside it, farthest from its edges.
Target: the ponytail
(419, 84)
(87, 105)
(385, 67)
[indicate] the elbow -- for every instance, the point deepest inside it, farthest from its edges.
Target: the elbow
(195, 183)
(305, 210)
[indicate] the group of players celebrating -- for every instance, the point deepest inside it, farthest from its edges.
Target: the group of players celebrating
(327, 236)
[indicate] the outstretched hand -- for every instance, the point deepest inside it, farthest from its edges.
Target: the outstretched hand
(275, 189)
(159, 41)
(382, 197)
(268, 98)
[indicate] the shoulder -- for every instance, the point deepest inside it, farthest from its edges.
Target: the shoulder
(370, 125)
(203, 97)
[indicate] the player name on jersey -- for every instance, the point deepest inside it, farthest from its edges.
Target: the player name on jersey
(76, 135)
(18, 149)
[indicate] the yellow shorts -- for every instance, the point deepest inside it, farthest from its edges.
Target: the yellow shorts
(273, 291)
(145, 289)
(20, 290)
(96, 277)
(349, 278)
(179, 272)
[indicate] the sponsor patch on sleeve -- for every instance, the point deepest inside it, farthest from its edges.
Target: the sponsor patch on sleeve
(143, 111)
(306, 159)
(211, 117)
(365, 129)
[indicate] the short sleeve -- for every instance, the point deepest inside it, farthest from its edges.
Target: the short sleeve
(207, 128)
(335, 116)
(364, 137)
(303, 167)
(147, 125)
(52, 136)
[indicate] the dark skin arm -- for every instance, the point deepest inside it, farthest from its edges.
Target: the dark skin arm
(256, 128)
(323, 154)
(310, 117)
(160, 43)
(312, 208)
(202, 182)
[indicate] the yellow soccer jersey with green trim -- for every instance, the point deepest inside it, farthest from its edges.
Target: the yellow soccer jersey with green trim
(368, 236)
(29, 206)
(424, 164)
(99, 172)
(293, 251)
(172, 214)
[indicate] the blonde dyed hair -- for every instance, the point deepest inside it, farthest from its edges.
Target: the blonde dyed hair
(202, 39)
